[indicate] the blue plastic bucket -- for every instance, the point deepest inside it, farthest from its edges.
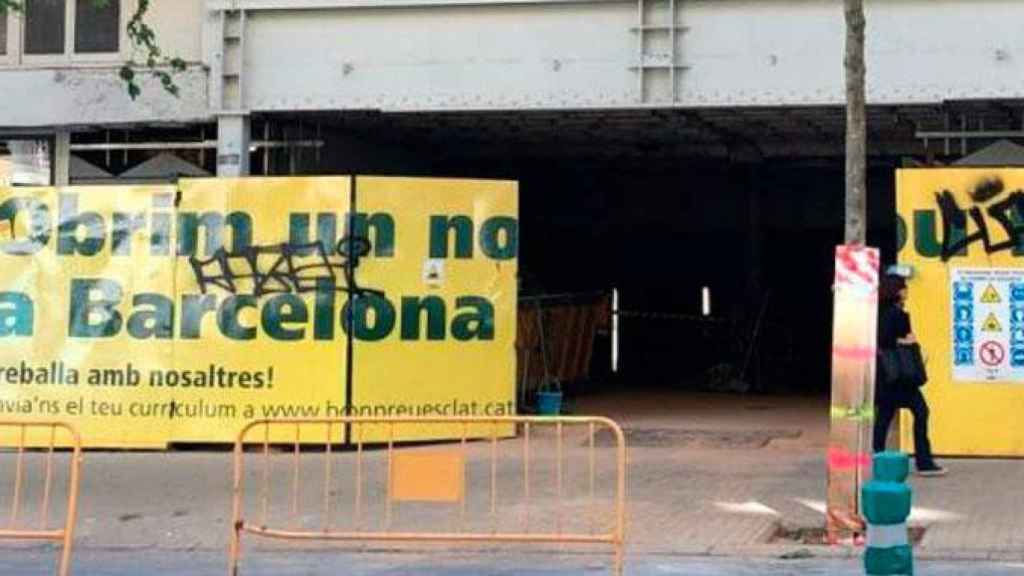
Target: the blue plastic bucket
(549, 403)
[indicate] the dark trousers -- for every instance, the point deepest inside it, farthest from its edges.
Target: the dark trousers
(888, 406)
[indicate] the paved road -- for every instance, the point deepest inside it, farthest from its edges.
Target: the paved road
(29, 562)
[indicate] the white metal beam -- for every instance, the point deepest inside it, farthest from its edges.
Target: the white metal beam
(447, 55)
(291, 5)
(969, 134)
(199, 145)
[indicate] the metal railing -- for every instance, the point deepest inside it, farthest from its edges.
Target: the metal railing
(24, 440)
(436, 475)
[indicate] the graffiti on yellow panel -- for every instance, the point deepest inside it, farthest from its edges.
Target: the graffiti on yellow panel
(961, 230)
(156, 314)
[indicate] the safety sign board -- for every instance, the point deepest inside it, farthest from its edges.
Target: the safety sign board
(988, 324)
(433, 272)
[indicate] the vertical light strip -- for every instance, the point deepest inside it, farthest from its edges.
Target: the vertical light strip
(705, 297)
(615, 329)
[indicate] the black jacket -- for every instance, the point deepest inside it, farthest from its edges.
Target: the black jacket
(893, 324)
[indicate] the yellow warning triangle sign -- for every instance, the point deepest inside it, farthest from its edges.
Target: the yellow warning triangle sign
(991, 324)
(991, 296)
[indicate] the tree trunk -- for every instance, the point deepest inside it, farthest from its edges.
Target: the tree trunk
(856, 125)
(854, 323)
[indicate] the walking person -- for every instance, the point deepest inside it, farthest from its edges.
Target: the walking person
(894, 331)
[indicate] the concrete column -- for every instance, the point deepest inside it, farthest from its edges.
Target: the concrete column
(62, 158)
(233, 136)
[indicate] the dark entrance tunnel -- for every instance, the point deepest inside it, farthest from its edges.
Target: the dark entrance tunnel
(660, 205)
(661, 238)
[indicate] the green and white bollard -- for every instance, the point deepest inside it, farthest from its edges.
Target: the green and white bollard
(886, 504)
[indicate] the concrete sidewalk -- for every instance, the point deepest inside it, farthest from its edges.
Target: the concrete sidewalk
(708, 475)
(733, 498)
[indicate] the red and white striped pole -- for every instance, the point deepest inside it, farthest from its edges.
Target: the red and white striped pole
(855, 325)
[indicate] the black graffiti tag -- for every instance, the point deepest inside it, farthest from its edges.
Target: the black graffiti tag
(1006, 213)
(284, 268)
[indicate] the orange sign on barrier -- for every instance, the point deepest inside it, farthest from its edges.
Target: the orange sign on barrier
(44, 435)
(531, 500)
(428, 477)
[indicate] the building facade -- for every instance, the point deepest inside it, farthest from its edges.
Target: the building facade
(663, 147)
(284, 86)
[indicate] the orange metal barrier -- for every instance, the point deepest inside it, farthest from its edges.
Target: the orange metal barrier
(432, 476)
(42, 435)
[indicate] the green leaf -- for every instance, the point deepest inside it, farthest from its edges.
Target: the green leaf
(10, 5)
(144, 41)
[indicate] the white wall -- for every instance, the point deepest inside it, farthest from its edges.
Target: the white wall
(178, 25)
(787, 52)
(440, 57)
(80, 97)
(566, 55)
(539, 54)
(82, 89)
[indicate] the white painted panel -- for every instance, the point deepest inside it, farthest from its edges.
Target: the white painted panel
(553, 56)
(70, 97)
(762, 52)
(441, 58)
(178, 26)
(741, 53)
(929, 50)
(786, 52)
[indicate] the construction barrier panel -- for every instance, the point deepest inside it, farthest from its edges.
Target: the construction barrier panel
(559, 480)
(962, 234)
(149, 315)
(556, 338)
(38, 441)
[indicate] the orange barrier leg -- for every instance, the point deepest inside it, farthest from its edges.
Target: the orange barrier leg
(66, 534)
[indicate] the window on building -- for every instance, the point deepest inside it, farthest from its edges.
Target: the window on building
(3, 31)
(97, 26)
(45, 26)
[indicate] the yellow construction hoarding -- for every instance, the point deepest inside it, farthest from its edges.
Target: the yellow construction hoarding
(160, 314)
(962, 231)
